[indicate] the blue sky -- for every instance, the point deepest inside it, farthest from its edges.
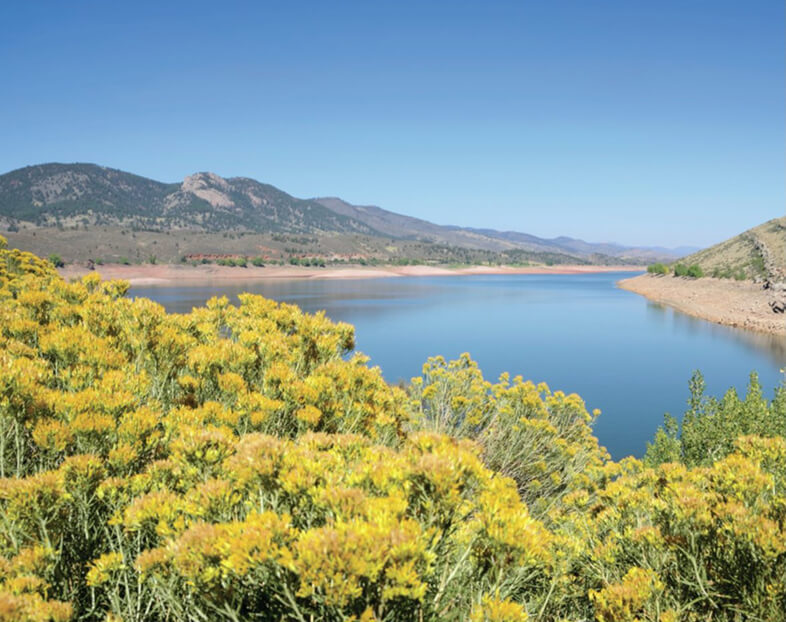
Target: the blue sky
(640, 122)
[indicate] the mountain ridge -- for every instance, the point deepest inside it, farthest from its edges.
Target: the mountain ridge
(61, 195)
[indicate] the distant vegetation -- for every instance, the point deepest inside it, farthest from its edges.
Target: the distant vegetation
(658, 268)
(238, 463)
(728, 273)
(693, 271)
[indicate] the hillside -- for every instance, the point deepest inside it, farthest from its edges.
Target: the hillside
(86, 211)
(86, 194)
(735, 296)
(759, 253)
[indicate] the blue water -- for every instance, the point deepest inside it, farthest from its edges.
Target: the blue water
(627, 356)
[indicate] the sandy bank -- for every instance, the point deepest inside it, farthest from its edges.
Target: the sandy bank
(187, 274)
(740, 304)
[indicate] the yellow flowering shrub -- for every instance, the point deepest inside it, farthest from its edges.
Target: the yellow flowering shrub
(625, 601)
(712, 538)
(320, 526)
(543, 440)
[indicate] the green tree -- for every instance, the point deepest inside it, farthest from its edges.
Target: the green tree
(710, 427)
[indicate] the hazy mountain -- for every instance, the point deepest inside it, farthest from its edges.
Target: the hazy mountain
(398, 225)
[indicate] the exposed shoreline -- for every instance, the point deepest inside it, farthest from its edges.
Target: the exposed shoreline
(731, 303)
(178, 274)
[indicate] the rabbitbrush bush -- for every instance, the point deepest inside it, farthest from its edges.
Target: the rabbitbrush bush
(233, 464)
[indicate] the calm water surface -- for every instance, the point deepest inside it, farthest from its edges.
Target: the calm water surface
(579, 333)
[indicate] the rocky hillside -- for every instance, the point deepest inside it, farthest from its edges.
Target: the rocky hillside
(759, 253)
(67, 194)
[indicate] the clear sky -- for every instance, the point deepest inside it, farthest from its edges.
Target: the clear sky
(634, 121)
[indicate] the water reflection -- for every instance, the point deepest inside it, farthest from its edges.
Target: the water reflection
(773, 346)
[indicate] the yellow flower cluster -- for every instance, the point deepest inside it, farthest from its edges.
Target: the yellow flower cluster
(23, 588)
(333, 522)
(543, 440)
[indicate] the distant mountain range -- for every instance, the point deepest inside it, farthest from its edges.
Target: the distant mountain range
(64, 197)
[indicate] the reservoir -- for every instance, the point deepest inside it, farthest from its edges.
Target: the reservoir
(621, 353)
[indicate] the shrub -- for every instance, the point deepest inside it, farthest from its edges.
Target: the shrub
(710, 427)
(722, 273)
(658, 268)
(56, 260)
(693, 271)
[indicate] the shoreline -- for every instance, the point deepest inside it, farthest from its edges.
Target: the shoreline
(178, 274)
(738, 304)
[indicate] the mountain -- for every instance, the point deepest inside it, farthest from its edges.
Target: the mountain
(410, 228)
(68, 198)
(759, 253)
(407, 227)
(50, 193)
(580, 247)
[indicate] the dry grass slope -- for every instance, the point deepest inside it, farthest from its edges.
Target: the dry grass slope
(759, 253)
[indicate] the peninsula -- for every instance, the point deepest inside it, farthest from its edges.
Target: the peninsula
(745, 277)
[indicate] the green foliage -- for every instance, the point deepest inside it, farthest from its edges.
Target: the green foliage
(56, 260)
(710, 427)
(666, 446)
(658, 268)
(232, 262)
(723, 273)
(758, 266)
(693, 271)
(727, 273)
(259, 262)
